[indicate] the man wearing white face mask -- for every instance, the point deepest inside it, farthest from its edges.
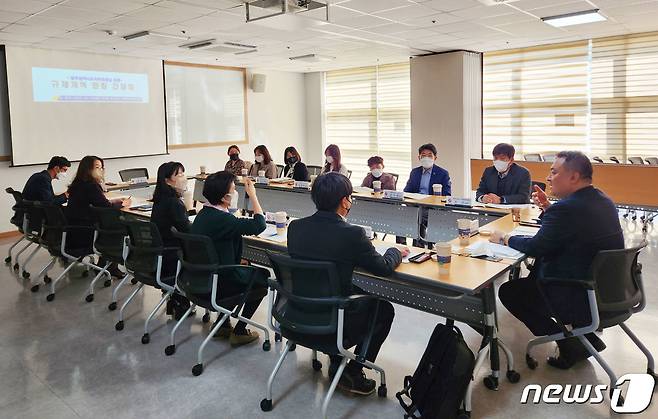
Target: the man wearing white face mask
(376, 165)
(39, 186)
(505, 182)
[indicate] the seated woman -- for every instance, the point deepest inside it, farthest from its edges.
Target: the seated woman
(169, 211)
(263, 161)
(235, 164)
(294, 169)
(86, 190)
(226, 231)
(376, 165)
(333, 164)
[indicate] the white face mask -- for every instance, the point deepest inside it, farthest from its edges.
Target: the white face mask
(98, 175)
(180, 185)
(501, 166)
(232, 199)
(259, 158)
(330, 159)
(376, 173)
(60, 176)
(427, 162)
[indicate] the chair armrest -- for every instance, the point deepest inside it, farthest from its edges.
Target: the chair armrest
(329, 301)
(68, 228)
(588, 285)
(356, 299)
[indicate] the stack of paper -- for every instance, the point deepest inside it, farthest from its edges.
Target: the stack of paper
(362, 189)
(524, 231)
(270, 234)
(381, 248)
(483, 248)
(416, 196)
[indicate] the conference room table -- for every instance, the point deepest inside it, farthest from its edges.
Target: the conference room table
(464, 292)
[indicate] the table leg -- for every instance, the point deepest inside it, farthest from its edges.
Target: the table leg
(489, 303)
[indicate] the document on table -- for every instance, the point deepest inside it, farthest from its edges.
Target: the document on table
(270, 234)
(362, 189)
(483, 248)
(416, 196)
(508, 206)
(381, 248)
(524, 231)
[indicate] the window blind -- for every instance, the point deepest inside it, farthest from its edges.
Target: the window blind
(367, 113)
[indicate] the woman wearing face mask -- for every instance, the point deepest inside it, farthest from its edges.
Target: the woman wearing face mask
(376, 165)
(294, 168)
(86, 190)
(263, 161)
(226, 231)
(235, 164)
(332, 158)
(169, 211)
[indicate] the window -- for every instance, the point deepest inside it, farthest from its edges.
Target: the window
(598, 96)
(368, 113)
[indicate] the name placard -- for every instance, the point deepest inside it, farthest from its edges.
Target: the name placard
(300, 184)
(262, 180)
(394, 194)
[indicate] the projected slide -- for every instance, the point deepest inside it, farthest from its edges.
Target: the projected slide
(70, 85)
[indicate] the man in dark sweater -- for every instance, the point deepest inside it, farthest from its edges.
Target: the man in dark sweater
(505, 182)
(39, 186)
(326, 236)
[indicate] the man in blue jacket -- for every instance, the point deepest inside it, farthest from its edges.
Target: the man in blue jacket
(573, 230)
(39, 186)
(421, 180)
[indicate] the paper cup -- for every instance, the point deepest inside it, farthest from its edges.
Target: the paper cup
(202, 169)
(245, 172)
(437, 188)
(280, 220)
(261, 173)
(464, 231)
(377, 185)
(516, 215)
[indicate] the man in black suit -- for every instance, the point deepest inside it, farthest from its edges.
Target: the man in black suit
(505, 182)
(326, 236)
(573, 230)
(39, 186)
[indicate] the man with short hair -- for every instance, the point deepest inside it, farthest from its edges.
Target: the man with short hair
(573, 230)
(505, 182)
(39, 186)
(327, 236)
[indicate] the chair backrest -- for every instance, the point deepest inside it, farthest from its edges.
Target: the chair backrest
(532, 157)
(34, 218)
(614, 159)
(396, 177)
(301, 286)
(128, 174)
(17, 218)
(618, 280)
(349, 174)
(144, 246)
(636, 160)
(597, 159)
(199, 262)
(110, 229)
(653, 161)
(314, 170)
(54, 224)
(541, 185)
(548, 157)
(279, 170)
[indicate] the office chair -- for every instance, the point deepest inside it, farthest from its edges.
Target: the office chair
(614, 159)
(279, 170)
(597, 159)
(198, 278)
(532, 157)
(396, 177)
(314, 170)
(127, 175)
(615, 293)
(349, 174)
(308, 309)
(636, 160)
(548, 157)
(109, 243)
(653, 161)
(16, 220)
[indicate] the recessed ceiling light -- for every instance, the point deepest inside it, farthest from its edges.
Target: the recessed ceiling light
(313, 58)
(149, 33)
(577, 18)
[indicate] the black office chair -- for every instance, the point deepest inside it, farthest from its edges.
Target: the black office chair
(636, 160)
(653, 161)
(615, 293)
(127, 175)
(549, 157)
(614, 159)
(532, 157)
(314, 170)
(199, 277)
(32, 229)
(396, 177)
(541, 185)
(309, 310)
(597, 159)
(349, 174)
(16, 220)
(56, 231)
(279, 170)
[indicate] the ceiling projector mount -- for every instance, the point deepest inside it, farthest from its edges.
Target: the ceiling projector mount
(283, 7)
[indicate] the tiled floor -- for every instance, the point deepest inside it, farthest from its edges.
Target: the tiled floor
(65, 360)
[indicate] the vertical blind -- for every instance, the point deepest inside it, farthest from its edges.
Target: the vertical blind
(367, 113)
(598, 96)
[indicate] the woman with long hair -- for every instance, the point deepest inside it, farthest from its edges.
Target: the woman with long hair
(263, 161)
(294, 168)
(333, 161)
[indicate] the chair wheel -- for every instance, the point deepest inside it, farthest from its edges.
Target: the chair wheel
(381, 391)
(50, 297)
(170, 350)
(47, 279)
(266, 345)
(206, 318)
(293, 347)
(317, 365)
(278, 337)
(491, 382)
(146, 339)
(531, 362)
(15, 266)
(119, 325)
(107, 283)
(112, 306)
(89, 298)
(8, 260)
(197, 370)
(464, 415)
(26, 274)
(133, 281)
(35, 288)
(266, 405)
(513, 376)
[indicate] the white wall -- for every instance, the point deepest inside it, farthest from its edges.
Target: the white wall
(315, 140)
(277, 118)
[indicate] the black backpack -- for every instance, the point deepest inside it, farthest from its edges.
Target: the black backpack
(439, 384)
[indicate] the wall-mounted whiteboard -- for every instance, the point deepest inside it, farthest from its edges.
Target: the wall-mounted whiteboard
(205, 105)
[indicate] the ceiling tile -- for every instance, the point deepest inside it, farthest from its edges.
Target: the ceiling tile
(373, 6)
(24, 6)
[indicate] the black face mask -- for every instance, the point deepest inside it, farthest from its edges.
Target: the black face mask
(234, 157)
(292, 160)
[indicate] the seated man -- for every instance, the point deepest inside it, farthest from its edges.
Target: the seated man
(376, 165)
(422, 179)
(39, 186)
(505, 182)
(326, 236)
(573, 230)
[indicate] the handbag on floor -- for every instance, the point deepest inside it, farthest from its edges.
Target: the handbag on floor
(437, 388)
